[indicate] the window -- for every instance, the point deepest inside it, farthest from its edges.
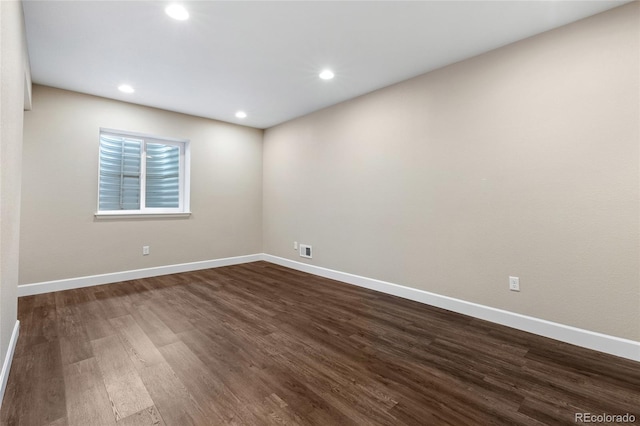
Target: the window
(142, 174)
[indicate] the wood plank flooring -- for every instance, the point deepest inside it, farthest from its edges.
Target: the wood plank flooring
(259, 344)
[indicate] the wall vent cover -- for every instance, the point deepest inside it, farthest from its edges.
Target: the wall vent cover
(305, 251)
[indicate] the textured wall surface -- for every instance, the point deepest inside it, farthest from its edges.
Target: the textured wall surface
(60, 238)
(523, 161)
(13, 60)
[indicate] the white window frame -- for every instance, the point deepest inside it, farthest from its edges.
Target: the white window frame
(183, 208)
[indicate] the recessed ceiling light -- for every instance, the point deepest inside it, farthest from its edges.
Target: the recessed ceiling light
(125, 88)
(177, 11)
(327, 75)
(241, 114)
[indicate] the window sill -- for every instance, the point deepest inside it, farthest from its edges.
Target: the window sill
(117, 216)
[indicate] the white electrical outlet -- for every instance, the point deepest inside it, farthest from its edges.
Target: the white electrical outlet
(145, 250)
(305, 251)
(295, 245)
(514, 283)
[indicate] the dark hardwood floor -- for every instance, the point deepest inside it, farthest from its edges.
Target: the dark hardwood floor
(259, 344)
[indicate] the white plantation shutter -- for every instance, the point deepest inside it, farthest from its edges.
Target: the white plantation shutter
(140, 174)
(163, 176)
(120, 167)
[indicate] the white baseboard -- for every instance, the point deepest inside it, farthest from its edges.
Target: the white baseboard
(71, 283)
(6, 367)
(576, 336)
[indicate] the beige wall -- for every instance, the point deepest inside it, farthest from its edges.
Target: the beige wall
(523, 161)
(60, 238)
(13, 60)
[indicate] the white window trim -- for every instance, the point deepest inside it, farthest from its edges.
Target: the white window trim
(183, 210)
(128, 214)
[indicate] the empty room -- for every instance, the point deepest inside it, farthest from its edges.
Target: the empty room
(319, 212)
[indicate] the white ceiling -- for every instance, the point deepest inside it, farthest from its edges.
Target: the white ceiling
(264, 57)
